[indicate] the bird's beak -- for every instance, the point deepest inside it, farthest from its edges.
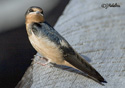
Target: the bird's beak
(37, 12)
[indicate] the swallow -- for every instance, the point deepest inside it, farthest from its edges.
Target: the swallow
(52, 46)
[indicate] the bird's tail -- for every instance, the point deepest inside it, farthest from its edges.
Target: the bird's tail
(84, 66)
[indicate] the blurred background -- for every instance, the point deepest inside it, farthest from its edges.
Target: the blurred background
(16, 51)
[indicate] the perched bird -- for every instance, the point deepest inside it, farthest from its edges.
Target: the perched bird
(52, 46)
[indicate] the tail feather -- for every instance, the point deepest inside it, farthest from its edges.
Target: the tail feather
(76, 61)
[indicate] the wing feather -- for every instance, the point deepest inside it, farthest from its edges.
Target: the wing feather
(77, 61)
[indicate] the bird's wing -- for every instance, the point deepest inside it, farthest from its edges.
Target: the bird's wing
(70, 55)
(44, 29)
(77, 61)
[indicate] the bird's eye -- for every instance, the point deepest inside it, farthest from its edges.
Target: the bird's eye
(42, 12)
(30, 10)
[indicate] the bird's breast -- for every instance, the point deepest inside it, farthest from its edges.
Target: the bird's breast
(47, 48)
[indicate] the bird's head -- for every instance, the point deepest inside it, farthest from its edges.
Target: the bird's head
(34, 14)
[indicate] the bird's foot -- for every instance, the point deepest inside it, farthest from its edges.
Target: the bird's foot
(42, 60)
(43, 64)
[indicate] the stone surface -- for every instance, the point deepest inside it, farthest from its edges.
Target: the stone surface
(98, 34)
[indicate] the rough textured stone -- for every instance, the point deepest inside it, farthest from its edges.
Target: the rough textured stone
(98, 34)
